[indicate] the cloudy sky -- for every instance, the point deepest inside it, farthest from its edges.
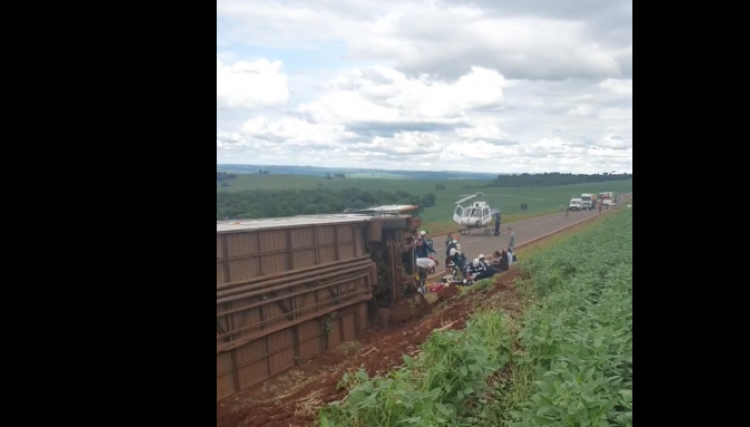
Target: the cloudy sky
(495, 86)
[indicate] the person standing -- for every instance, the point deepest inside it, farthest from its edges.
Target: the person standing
(429, 248)
(512, 242)
(497, 223)
(449, 244)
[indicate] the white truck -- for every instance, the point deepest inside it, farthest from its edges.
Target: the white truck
(587, 201)
(608, 199)
(575, 204)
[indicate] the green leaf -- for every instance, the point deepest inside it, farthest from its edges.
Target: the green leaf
(408, 361)
(323, 420)
(545, 411)
(435, 392)
(443, 409)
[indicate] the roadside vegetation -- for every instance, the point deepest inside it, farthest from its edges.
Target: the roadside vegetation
(565, 361)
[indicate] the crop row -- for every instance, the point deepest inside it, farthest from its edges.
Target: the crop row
(572, 362)
(578, 340)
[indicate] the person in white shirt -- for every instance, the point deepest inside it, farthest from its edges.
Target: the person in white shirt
(426, 263)
(424, 266)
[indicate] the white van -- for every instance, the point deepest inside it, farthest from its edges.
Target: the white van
(575, 204)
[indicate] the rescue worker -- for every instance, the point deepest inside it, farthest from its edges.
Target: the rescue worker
(457, 258)
(448, 241)
(497, 223)
(425, 249)
(482, 270)
(472, 269)
(450, 244)
(600, 208)
(420, 248)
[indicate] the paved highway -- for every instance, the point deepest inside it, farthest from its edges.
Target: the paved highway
(526, 230)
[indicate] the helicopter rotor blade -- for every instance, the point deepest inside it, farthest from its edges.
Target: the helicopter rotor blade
(465, 199)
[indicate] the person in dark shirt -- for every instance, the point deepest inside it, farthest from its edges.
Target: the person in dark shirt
(420, 248)
(496, 258)
(500, 261)
(458, 259)
(482, 269)
(450, 244)
(497, 223)
(429, 249)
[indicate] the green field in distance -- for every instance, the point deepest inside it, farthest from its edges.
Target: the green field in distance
(540, 200)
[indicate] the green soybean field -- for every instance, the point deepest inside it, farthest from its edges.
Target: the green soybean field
(564, 361)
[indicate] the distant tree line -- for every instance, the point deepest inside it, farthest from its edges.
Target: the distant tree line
(262, 172)
(279, 203)
(554, 179)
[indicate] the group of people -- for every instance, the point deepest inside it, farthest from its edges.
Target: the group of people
(479, 268)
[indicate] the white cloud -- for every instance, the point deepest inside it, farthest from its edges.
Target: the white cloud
(618, 86)
(379, 117)
(612, 141)
(250, 84)
(291, 133)
(384, 95)
(495, 86)
(403, 144)
(482, 131)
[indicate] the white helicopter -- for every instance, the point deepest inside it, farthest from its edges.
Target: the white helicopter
(475, 215)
